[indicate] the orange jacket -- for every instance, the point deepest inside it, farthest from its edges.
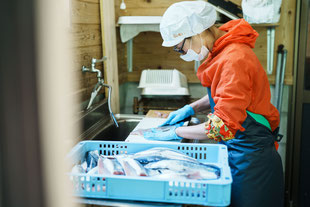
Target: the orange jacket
(237, 79)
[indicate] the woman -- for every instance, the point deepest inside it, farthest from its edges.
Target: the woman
(242, 116)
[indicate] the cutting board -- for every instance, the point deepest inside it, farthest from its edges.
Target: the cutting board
(151, 120)
(157, 113)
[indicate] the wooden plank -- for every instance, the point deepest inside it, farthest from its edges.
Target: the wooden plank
(143, 7)
(122, 78)
(85, 81)
(86, 35)
(109, 45)
(256, 25)
(85, 12)
(147, 4)
(285, 34)
(261, 46)
(149, 53)
(121, 58)
(237, 2)
(289, 80)
(158, 113)
(83, 55)
(90, 1)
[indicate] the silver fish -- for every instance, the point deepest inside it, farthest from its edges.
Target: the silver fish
(84, 166)
(191, 169)
(171, 175)
(77, 169)
(140, 132)
(136, 166)
(93, 171)
(161, 153)
(91, 159)
(131, 167)
(109, 166)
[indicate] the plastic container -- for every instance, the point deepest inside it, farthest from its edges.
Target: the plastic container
(186, 191)
(163, 82)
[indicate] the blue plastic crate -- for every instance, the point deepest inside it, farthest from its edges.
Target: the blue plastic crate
(186, 191)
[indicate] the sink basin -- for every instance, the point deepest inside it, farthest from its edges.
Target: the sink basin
(96, 124)
(111, 133)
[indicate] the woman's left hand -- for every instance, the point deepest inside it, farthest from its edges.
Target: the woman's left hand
(163, 133)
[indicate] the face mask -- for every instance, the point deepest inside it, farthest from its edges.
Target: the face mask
(192, 55)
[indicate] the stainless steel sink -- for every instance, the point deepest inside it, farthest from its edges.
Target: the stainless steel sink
(111, 133)
(96, 124)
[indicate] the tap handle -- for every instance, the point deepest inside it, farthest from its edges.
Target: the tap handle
(94, 60)
(85, 69)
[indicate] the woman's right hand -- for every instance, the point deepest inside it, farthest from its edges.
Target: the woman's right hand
(179, 115)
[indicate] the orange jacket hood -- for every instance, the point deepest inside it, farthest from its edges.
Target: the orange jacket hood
(238, 31)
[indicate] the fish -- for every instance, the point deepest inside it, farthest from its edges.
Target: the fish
(171, 175)
(136, 166)
(77, 169)
(91, 158)
(167, 174)
(161, 114)
(193, 170)
(93, 171)
(131, 166)
(109, 166)
(140, 132)
(84, 166)
(161, 153)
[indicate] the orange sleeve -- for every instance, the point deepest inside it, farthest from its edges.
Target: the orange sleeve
(232, 93)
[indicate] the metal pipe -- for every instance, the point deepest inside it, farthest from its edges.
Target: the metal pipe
(278, 75)
(197, 64)
(282, 80)
(94, 94)
(272, 34)
(109, 103)
(99, 85)
(268, 50)
(129, 54)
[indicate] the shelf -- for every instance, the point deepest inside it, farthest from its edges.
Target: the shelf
(256, 25)
(139, 20)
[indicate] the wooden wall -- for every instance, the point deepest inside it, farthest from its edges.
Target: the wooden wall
(147, 49)
(86, 32)
(148, 52)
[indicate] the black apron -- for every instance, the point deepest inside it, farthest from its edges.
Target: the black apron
(255, 164)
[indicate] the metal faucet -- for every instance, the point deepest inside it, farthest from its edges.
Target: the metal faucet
(99, 85)
(93, 65)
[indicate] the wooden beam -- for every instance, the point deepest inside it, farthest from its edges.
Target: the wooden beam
(109, 46)
(285, 34)
(237, 2)
(86, 35)
(85, 12)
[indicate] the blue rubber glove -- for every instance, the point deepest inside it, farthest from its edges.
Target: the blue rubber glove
(179, 115)
(163, 133)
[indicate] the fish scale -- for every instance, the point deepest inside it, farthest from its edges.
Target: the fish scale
(160, 153)
(193, 170)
